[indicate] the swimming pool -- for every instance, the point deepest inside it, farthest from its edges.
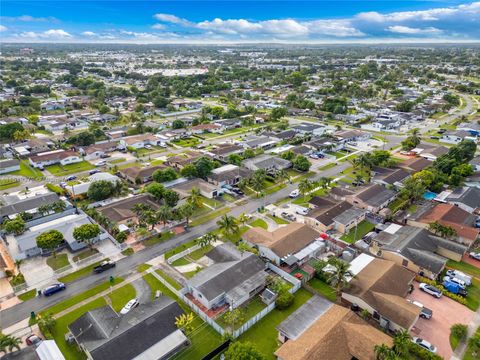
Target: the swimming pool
(428, 195)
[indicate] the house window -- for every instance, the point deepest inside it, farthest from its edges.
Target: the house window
(404, 262)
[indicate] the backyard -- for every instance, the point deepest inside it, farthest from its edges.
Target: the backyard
(358, 232)
(63, 170)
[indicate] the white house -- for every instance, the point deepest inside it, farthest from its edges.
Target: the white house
(61, 157)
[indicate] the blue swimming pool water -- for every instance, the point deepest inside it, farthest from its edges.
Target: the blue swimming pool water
(428, 195)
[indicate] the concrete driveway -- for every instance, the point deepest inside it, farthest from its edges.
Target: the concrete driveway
(446, 312)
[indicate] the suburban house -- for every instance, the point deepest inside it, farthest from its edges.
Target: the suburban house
(289, 245)
(14, 204)
(447, 215)
(320, 329)
(466, 198)
(62, 157)
(9, 165)
(415, 164)
(179, 161)
(455, 137)
(25, 245)
(329, 214)
(430, 151)
(416, 249)
(228, 175)
(324, 144)
(372, 197)
(266, 162)
(206, 189)
(98, 150)
(260, 142)
(391, 177)
(311, 129)
(140, 141)
(232, 279)
(380, 288)
(139, 175)
(347, 136)
(33, 146)
(146, 332)
(81, 189)
(207, 128)
(223, 151)
(121, 212)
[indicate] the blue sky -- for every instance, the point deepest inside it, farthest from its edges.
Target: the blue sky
(239, 21)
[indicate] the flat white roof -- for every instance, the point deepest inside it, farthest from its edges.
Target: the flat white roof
(48, 350)
(393, 228)
(360, 262)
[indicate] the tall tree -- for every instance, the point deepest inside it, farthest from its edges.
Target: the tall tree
(194, 198)
(50, 240)
(340, 275)
(86, 233)
(228, 225)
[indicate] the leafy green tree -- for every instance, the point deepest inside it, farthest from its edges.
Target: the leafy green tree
(170, 197)
(15, 226)
(50, 240)
(288, 155)
(164, 214)
(186, 211)
(204, 167)
(86, 233)
(243, 351)
(248, 153)
(305, 186)
(277, 113)
(189, 171)
(284, 300)
(459, 331)
(301, 163)
(156, 190)
(235, 159)
(100, 190)
(164, 175)
(234, 317)
(206, 239)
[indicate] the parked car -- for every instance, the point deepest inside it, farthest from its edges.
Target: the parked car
(129, 306)
(425, 313)
(294, 193)
(148, 146)
(92, 172)
(475, 255)
(71, 178)
(33, 340)
(104, 156)
(101, 163)
(431, 290)
(301, 210)
(460, 283)
(467, 279)
(454, 288)
(105, 265)
(52, 289)
(424, 344)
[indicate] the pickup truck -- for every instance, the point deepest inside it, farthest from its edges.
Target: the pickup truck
(105, 265)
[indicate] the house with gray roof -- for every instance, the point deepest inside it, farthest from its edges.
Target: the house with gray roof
(416, 249)
(9, 165)
(266, 162)
(146, 332)
(373, 197)
(232, 278)
(467, 198)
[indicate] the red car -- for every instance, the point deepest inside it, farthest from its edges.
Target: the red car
(33, 340)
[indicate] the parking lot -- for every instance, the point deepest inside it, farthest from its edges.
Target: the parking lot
(446, 312)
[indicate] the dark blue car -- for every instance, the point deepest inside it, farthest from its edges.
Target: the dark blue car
(52, 289)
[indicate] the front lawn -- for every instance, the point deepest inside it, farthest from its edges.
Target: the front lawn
(188, 142)
(465, 267)
(210, 216)
(121, 296)
(7, 184)
(180, 262)
(28, 295)
(259, 223)
(264, 333)
(473, 297)
(358, 232)
(469, 354)
(85, 254)
(158, 239)
(63, 170)
(323, 289)
(278, 220)
(27, 170)
(199, 253)
(58, 262)
(171, 281)
(79, 273)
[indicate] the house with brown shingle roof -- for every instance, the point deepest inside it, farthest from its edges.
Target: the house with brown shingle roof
(373, 197)
(320, 329)
(380, 288)
(121, 212)
(415, 164)
(292, 244)
(448, 215)
(139, 175)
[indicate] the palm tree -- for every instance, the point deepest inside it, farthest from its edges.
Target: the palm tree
(415, 136)
(164, 214)
(243, 218)
(18, 263)
(44, 209)
(383, 352)
(47, 321)
(305, 186)
(58, 206)
(9, 342)
(150, 217)
(340, 275)
(325, 182)
(401, 342)
(195, 199)
(228, 225)
(186, 211)
(362, 161)
(206, 239)
(282, 175)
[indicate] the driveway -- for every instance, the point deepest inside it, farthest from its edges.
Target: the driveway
(446, 312)
(37, 272)
(467, 259)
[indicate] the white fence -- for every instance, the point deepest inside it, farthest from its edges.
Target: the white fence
(296, 283)
(182, 254)
(252, 321)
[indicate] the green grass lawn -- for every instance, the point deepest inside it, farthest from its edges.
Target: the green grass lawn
(157, 239)
(465, 267)
(117, 161)
(210, 216)
(188, 142)
(363, 228)
(212, 202)
(259, 223)
(85, 254)
(274, 188)
(128, 252)
(180, 262)
(278, 220)
(469, 354)
(143, 267)
(7, 184)
(323, 289)
(72, 352)
(304, 176)
(121, 296)
(264, 333)
(58, 262)
(191, 274)
(199, 253)
(249, 310)
(79, 273)
(59, 170)
(179, 249)
(171, 281)
(28, 295)
(27, 170)
(473, 297)
(454, 341)
(55, 309)
(228, 198)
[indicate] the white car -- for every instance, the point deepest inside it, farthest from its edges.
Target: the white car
(475, 255)
(148, 146)
(101, 163)
(424, 344)
(431, 290)
(294, 193)
(129, 306)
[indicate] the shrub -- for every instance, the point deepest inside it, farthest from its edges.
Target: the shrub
(55, 188)
(284, 300)
(121, 237)
(460, 331)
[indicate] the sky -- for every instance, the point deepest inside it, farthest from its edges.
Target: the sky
(223, 22)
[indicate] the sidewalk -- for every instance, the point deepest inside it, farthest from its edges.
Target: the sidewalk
(462, 347)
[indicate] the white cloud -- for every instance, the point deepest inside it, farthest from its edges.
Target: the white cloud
(52, 34)
(57, 33)
(338, 28)
(29, 18)
(3, 28)
(169, 18)
(89, 33)
(399, 29)
(159, 27)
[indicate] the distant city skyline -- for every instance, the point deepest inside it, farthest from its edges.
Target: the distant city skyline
(225, 22)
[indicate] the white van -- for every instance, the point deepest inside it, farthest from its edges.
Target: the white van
(461, 276)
